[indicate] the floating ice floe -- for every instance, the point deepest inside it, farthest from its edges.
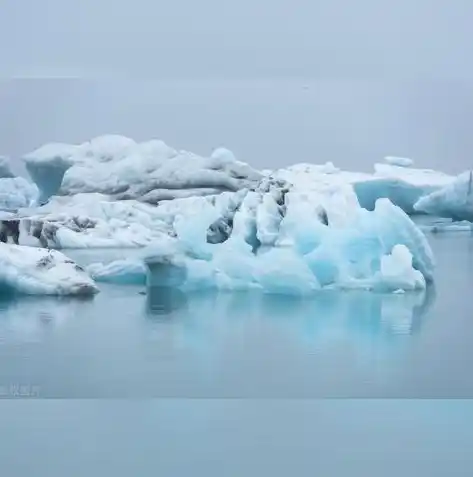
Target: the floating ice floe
(34, 271)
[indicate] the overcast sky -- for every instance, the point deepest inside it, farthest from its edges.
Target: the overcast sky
(277, 81)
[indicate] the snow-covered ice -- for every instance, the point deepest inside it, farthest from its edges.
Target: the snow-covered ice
(96, 221)
(454, 201)
(403, 186)
(35, 271)
(92, 221)
(150, 171)
(153, 172)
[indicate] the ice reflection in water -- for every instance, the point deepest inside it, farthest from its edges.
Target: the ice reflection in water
(164, 301)
(126, 342)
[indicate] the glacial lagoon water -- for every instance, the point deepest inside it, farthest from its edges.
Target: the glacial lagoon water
(129, 342)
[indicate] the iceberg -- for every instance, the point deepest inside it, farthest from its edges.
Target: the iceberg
(454, 201)
(291, 207)
(295, 230)
(401, 185)
(153, 172)
(92, 221)
(123, 169)
(119, 272)
(215, 222)
(47, 166)
(399, 161)
(16, 193)
(35, 271)
(380, 250)
(96, 221)
(5, 171)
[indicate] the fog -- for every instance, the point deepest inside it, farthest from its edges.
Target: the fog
(277, 82)
(266, 123)
(336, 39)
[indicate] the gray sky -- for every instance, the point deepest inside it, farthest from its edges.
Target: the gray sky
(336, 38)
(276, 81)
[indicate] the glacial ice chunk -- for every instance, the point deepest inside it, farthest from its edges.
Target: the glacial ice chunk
(5, 171)
(47, 166)
(16, 193)
(96, 221)
(454, 201)
(382, 250)
(399, 161)
(401, 185)
(120, 167)
(34, 271)
(396, 271)
(120, 272)
(153, 172)
(93, 221)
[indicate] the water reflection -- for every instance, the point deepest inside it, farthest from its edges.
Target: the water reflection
(209, 344)
(355, 318)
(380, 314)
(164, 301)
(30, 318)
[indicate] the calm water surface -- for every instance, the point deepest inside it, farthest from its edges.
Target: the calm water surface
(124, 343)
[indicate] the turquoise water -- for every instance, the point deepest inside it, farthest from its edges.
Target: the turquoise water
(229, 437)
(125, 343)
